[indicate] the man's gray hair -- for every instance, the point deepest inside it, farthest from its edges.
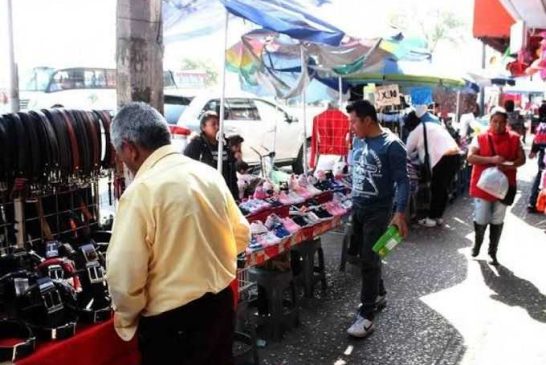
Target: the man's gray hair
(140, 124)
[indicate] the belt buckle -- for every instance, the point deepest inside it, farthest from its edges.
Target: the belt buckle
(94, 272)
(89, 253)
(52, 249)
(50, 296)
(55, 272)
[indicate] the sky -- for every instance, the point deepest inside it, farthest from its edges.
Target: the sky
(83, 32)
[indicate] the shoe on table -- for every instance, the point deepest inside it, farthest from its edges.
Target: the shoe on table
(361, 327)
(427, 222)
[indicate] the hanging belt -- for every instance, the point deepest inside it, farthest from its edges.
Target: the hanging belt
(34, 155)
(51, 137)
(64, 143)
(21, 145)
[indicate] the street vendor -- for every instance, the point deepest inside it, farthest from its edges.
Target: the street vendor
(204, 148)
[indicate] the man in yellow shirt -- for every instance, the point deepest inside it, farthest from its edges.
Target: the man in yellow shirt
(173, 250)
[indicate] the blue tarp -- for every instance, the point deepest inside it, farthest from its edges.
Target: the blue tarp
(283, 17)
(185, 20)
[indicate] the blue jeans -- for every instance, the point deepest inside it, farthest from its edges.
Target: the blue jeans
(368, 226)
(486, 212)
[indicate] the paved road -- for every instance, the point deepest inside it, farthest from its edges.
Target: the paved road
(444, 307)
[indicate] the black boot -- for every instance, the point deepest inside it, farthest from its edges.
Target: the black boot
(479, 233)
(495, 231)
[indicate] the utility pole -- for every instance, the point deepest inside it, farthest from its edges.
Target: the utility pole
(139, 53)
(482, 88)
(13, 91)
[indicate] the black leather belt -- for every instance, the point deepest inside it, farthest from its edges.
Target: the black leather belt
(21, 145)
(65, 152)
(34, 155)
(61, 332)
(20, 335)
(109, 152)
(50, 140)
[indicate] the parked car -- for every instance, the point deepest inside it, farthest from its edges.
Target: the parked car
(264, 125)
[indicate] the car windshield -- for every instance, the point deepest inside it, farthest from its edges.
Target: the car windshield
(36, 79)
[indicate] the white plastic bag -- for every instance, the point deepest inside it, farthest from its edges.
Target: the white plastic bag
(493, 181)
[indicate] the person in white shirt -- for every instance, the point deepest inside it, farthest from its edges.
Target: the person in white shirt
(465, 125)
(444, 161)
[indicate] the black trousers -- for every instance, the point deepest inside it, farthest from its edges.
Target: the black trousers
(198, 333)
(535, 189)
(442, 176)
(367, 228)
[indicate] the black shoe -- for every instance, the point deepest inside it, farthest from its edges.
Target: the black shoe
(493, 261)
(531, 209)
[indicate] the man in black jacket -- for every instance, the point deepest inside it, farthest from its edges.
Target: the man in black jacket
(204, 148)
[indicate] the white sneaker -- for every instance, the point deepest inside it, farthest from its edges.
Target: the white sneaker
(361, 327)
(439, 221)
(427, 222)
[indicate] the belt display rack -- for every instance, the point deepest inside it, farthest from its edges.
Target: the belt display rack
(51, 248)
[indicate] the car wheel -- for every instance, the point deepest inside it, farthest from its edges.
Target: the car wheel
(297, 166)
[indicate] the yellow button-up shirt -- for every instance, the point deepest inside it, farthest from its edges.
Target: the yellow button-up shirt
(176, 236)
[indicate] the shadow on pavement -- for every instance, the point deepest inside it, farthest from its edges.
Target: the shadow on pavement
(515, 291)
(519, 209)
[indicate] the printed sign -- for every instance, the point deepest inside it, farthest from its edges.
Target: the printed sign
(387, 95)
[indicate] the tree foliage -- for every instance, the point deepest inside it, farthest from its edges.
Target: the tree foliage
(433, 24)
(205, 65)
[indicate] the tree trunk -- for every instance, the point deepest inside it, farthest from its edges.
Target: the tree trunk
(140, 52)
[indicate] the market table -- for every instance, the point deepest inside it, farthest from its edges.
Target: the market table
(100, 345)
(92, 345)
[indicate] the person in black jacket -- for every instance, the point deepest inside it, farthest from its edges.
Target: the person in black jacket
(204, 148)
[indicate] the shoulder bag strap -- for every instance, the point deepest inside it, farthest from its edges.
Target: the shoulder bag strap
(427, 157)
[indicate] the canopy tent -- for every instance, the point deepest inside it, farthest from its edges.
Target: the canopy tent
(269, 63)
(405, 73)
(284, 17)
(488, 78)
(185, 20)
(492, 24)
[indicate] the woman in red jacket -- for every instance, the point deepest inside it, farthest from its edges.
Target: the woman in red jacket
(495, 147)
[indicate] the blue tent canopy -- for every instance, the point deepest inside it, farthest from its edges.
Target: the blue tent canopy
(283, 17)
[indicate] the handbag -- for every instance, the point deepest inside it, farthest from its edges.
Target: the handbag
(511, 193)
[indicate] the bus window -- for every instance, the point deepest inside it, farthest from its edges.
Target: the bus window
(111, 78)
(94, 79)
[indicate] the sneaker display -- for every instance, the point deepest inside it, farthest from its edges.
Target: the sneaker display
(269, 239)
(284, 198)
(361, 327)
(322, 214)
(301, 221)
(257, 227)
(254, 245)
(273, 221)
(290, 225)
(281, 232)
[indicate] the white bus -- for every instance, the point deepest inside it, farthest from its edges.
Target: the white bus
(75, 88)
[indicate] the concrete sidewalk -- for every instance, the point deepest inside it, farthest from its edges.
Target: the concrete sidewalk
(443, 306)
